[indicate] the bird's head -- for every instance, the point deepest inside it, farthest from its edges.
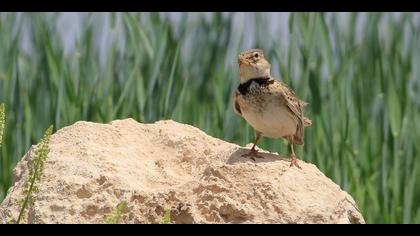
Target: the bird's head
(252, 64)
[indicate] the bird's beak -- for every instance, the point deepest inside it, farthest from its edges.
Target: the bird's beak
(241, 61)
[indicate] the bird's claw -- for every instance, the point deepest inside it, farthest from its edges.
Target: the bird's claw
(252, 154)
(293, 161)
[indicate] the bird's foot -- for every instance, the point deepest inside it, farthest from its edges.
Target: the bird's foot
(292, 160)
(253, 153)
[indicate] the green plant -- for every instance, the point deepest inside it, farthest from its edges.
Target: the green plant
(115, 217)
(166, 219)
(36, 168)
(2, 122)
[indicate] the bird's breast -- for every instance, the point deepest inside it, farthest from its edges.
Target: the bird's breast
(268, 116)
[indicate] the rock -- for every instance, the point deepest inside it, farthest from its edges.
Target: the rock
(91, 168)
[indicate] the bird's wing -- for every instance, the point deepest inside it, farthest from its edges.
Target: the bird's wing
(295, 105)
(236, 106)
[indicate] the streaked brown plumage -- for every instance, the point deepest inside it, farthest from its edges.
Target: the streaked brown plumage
(268, 105)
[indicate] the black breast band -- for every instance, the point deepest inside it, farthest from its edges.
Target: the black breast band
(244, 88)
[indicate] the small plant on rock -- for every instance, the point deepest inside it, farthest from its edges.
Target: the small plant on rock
(36, 168)
(115, 217)
(2, 121)
(166, 219)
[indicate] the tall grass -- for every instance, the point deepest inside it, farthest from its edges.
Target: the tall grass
(361, 78)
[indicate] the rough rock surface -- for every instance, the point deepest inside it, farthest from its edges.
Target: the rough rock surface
(92, 167)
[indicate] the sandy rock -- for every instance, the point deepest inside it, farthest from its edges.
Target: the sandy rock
(92, 167)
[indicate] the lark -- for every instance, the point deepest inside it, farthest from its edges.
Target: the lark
(268, 105)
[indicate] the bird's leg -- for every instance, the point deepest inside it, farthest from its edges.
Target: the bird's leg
(254, 153)
(293, 160)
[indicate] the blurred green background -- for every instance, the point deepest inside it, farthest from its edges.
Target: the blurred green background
(359, 72)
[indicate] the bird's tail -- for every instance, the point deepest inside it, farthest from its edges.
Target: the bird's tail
(307, 121)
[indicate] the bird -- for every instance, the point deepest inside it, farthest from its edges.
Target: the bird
(268, 105)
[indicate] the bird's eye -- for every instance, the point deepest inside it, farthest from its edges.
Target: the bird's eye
(256, 55)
